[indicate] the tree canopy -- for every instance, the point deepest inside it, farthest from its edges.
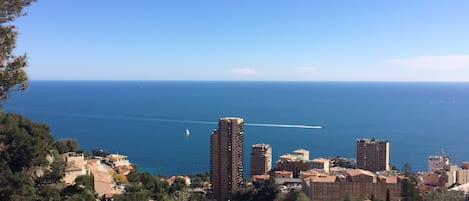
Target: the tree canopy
(12, 74)
(30, 165)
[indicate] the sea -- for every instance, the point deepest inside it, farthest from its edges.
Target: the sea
(147, 120)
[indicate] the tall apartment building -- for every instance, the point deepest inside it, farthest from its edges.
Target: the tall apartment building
(436, 163)
(373, 155)
(226, 157)
(261, 159)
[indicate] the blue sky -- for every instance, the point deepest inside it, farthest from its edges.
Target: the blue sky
(247, 40)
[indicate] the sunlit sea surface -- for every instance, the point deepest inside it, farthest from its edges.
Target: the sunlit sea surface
(148, 120)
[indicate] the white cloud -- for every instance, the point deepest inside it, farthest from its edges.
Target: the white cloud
(242, 71)
(445, 62)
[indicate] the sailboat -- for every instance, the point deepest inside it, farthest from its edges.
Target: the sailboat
(187, 132)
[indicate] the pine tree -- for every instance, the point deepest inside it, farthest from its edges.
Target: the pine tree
(12, 74)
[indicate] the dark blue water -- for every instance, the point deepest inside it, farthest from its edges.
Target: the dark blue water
(141, 119)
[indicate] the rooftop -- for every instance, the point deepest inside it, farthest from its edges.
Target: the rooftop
(372, 140)
(288, 157)
(261, 177)
(324, 178)
(301, 151)
(261, 145)
(321, 160)
(389, 179)
(283, 172)
(76, 165)
(355, 172)
(232, 119)
(116, 156)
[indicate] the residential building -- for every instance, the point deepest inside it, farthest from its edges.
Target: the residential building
(295, 166)
(187, 180)
(354, 183)
(260, 180)
(116, 160)
(76, 165)
(103, 182)
(283, 174)
(261, 159)
(226, 157)
(321, 164)
(446, 177)
(462, 176)
(302, 154)
(373, 155)
(436, 163)
(295, 162)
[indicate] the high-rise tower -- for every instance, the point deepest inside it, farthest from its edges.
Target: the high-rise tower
(373, 155)
(261, 159)
(226, 157)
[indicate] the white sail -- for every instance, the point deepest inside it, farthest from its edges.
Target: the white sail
(187, 131)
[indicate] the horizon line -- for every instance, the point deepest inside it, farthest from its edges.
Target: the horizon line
(324, 81)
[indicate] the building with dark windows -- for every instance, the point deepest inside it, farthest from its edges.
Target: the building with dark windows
(373, 155)
(261, 159)
(226, 157)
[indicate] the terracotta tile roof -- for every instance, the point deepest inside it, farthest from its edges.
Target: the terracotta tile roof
(283, 172)
(355, 172)
(261, 177)
(288, 157)
(391, 179)
(324, 179)
(308, 173)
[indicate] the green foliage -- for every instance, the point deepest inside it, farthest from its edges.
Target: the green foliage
(15, 185)
(140, 195)
(26, 143)
(446, 195)
(134, 175)
(406, 169)
(179, 184)
(197, 180)
(48, 192)
(81, 196)
(100, 152)
(409, 191)
(142, 185)
(373, 197)
(67, 145)
(84, 182)
(12, 74)
(244, 194)
(55, 172)
(296, 195)
(267, 192)
(26, 147)
(349, 197)
(81, 190)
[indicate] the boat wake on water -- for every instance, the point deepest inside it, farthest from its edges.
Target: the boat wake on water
(136, 118)
(284, 126)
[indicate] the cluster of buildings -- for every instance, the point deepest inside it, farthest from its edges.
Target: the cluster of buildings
(441, 173)
(318, 177)
(101, 168)
(295, 170)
